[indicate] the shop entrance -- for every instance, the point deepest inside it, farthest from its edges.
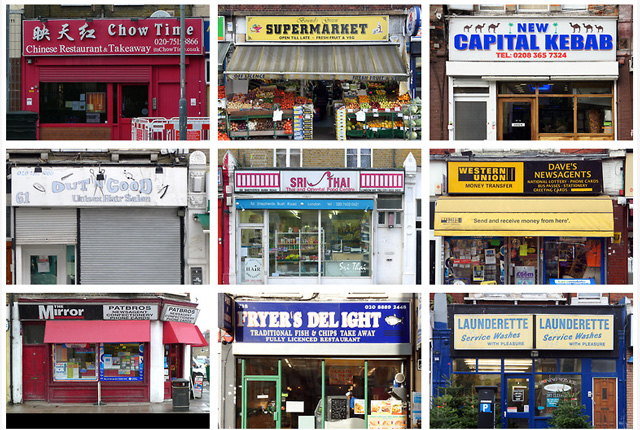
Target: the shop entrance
(44, 265)
(604, 403)
(172, 365)
(518, 401)
(515, 119)
(133, 103)
(261, 404)
(251, 256)
(34, 372)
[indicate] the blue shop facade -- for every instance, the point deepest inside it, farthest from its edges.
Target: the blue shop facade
(536, 354)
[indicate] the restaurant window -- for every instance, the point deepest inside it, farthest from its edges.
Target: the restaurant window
(473, 261)
(121, 362)
(594, 115)
(550, 388)
(301, 390)
(555, 114)
(259, 366)
(73, 103)
(573, 258)
(383, 377)
(75, 362)
(342, 376)
(359, 158)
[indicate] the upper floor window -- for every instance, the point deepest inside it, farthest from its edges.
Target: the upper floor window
(287, 157)
(533, 7)
(359, 158)
(491, 7)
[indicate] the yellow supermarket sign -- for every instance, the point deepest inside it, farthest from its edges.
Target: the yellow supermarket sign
(493, 331)
(580, 332)
(486, 177)
(318, 28)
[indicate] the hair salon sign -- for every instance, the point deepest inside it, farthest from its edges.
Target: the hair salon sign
(64, 37)
(99, 186)
(514, 38)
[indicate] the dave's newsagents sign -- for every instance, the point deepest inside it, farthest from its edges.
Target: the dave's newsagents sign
(71, 37)
(323, 322)
(99, 186)
(514, 38)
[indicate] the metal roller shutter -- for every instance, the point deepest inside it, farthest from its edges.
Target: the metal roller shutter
(130, 246)
(46, 226)
(95, 74)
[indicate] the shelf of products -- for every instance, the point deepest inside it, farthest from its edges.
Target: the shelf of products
(296, 253)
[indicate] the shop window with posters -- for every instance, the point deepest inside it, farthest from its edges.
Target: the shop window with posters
(74, 362)
(475, 261)
(550, 388)
(121, 362)
(524, 261)
(73, 103)
(573, 258)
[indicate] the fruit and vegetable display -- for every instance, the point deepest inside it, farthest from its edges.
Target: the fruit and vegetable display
(413, 120)
(221, 92)
(222, 136)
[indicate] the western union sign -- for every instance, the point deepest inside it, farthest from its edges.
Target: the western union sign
(485, 177)
(370, 28)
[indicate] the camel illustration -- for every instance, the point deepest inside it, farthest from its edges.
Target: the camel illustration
(587, 28)
(480, 27)
(467, 28)
(600, 29)
(575, 27)
(493, 27)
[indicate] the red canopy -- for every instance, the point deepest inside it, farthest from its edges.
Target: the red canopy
(94, 331)
(178, 332)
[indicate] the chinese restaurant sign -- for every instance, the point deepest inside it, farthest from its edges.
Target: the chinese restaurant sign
(67, 37)
(323, 322)
(493, 331)
(513, 38)
(319, 181)
(574, 332)
(318, 28)
(99, 186)
(525, 177)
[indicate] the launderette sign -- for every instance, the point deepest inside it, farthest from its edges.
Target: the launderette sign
(323, 322)
(574, 332)
(494, 331)
(514, 38)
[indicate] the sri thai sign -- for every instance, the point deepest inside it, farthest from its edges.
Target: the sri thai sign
(99, 37)
(493, 331)
(99, 186)
(318, 28)
(577, 332)
(319, 181)
(514, 38)
(565, 177)
(323, 322)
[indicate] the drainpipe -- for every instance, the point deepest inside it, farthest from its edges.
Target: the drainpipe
(10, 345)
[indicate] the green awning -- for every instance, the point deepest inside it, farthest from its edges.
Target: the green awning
(204, 220)
(308, 61)
(223, 48)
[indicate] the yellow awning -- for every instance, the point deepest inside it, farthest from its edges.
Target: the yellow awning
(524, 216)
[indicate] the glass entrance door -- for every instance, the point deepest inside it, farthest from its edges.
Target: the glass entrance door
(44, 265)
(134, 103)
(517, 399)
(260, 403)
(516, 119)
(251, 256)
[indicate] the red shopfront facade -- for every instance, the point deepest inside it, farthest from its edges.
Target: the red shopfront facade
(87, 78)
(72, 351)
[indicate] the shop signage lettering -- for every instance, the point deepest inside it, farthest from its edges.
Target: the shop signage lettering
(525, 177)
(130, 312)
(317, 28)
(115, 311)
(493, 331)
(111, 37)
(51, 312)
(592, 332)
(289, 322)
(491, 38)
(98, 187)
(177, 313)
(321, 181)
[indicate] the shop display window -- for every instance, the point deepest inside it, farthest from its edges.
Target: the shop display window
(524, 260)
(555, 114)
(469, 381)
(342, 377)
(550, 388)
(573, 258)
(474, 261)
(594, 115)
(73, 103)
(348, 245)
(75, 362)
(248, 216)
(302, 390)
(121, 362)
(260, 366)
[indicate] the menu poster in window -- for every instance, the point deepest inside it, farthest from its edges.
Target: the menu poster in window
(340, 375)
(517, 394)
(60, 371)
(387, 422)
(96, 102)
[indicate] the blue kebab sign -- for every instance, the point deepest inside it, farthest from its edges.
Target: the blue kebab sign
(323, 322)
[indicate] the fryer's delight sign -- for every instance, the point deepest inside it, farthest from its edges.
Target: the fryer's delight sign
(493, 331)
(565, 177)
(98, 186)
(574, 332)
(373, 28)
(513, 38)
(64, 37)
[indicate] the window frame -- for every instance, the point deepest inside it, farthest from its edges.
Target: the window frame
(359, 156)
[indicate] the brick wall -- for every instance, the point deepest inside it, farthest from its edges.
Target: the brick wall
(617, 267)
(438, 91)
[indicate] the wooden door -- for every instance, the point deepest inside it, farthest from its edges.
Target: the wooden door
(34, 372)
(604, 403)
(173, 366)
